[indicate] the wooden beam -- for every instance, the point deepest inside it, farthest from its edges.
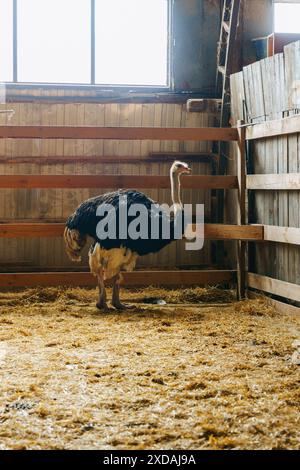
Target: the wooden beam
(288, 235)
(189, 156)
(114, 181)
(26, 93)
(135, 278)
(241, 248)
(285, 182)
(119, 133)
(286, 1)
(205, 157)
(274, 286)
(280, 127)
(283, 308)
(229, 232)
(280, 307)
(241, 176)
(29, 229)
(211, 231)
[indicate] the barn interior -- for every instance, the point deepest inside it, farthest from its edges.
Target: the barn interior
(101, 95)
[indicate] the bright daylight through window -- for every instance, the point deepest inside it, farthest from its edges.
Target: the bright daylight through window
(105, 42)
(287, 17)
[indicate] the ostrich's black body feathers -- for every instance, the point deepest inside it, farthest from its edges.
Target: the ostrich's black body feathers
(85, 221)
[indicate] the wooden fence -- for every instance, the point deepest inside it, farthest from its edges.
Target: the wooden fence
(103, 157)
(239, 232)
(242, 233)
(275, 182)
(266, 95)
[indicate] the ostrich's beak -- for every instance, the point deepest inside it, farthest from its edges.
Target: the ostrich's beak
(185, 170)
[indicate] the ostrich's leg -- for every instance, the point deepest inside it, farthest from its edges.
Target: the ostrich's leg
(101, 304)
(116, 295)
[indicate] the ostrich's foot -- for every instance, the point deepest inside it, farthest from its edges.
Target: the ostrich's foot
(120, 306)
(115, 301)
(103, 307)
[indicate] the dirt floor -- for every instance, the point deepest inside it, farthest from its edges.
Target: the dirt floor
(182, 376)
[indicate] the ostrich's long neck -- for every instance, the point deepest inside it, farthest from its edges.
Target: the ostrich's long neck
(175, 192)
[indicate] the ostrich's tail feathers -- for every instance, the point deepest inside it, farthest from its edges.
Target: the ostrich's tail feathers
(74, 242)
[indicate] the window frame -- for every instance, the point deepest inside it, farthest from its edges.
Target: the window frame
(92, 85)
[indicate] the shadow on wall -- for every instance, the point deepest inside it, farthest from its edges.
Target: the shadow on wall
(195, 35)
(196, 29)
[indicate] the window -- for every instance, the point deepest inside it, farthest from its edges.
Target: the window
(131, 46)
(6, 40)
(101, 42)
(54, 41)
(287, 17)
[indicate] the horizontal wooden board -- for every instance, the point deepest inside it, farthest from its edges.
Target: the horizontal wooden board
(31, 229)
(279, 127)
(231, 232)
(135, 278)
(205, 157)
(288, 235)
(283, 308)
(211, 231)
(119, 133)
(280, 307)
(179, 155)
(115, 181)
(274, 286)
(290, 181)
(70, 94)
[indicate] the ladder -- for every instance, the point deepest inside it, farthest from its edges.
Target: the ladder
(227, 63)
(225, 55)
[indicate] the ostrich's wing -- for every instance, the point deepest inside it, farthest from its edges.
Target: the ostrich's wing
(85, 218)
(152, 241)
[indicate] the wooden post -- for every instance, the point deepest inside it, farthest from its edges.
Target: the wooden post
(241, 211)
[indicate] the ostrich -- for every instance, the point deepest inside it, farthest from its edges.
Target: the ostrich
(108, 257)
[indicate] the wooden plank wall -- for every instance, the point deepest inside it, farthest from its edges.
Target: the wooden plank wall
(30, 156)
(267, 90)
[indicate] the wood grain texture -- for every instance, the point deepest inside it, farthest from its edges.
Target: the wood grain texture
(274, 286)
(211, 231)
(288, 181)
(279, 127)
(114, 181)
(118, 159)
(233, 232)
(280, 307)
(84, 157)
(292, 73)
(118, 133)
(288, 235)
(268, 94)
(241, 211)
(136, 278)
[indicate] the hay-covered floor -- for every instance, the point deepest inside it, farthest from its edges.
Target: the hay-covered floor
(185, 376)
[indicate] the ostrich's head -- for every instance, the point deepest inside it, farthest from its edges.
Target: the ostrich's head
(180, 168)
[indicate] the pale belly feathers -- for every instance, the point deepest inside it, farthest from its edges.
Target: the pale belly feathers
(109, 263)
